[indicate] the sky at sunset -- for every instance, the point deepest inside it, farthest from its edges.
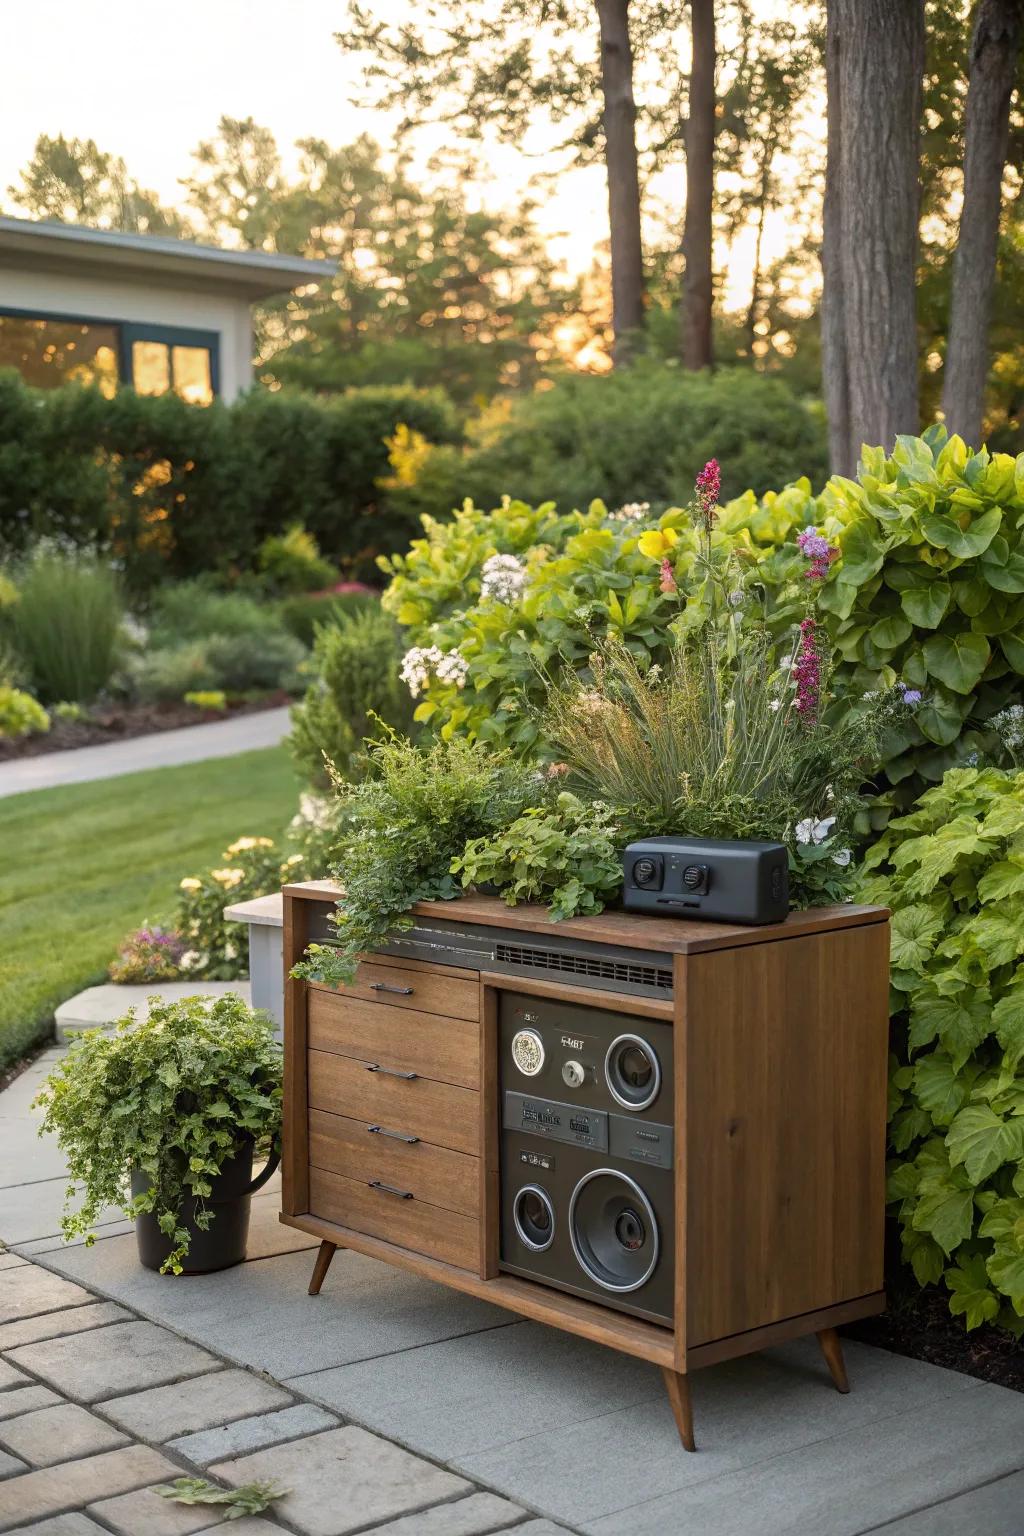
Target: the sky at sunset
(148, 82)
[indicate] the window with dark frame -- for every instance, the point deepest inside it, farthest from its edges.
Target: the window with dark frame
(50, 350)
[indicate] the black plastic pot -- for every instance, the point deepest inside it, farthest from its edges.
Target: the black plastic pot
(223, 1243)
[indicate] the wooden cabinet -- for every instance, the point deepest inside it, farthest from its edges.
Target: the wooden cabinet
(780, 1033)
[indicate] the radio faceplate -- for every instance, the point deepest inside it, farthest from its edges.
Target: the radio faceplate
(587, 1144)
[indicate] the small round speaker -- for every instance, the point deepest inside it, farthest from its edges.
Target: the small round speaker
(534, 1217)
(613, 1230)
(632, 1071)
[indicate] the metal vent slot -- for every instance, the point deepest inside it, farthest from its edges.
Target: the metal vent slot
(566, 963)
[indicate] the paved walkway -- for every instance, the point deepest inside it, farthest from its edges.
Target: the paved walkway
(164, 749)
(390, 1404)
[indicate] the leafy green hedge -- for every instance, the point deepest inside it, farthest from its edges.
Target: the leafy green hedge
(953, 873)
(929, 590)
(176, 489)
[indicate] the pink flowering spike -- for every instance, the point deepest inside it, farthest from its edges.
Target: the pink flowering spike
(807, 673)
(668, 580)
(708, 485)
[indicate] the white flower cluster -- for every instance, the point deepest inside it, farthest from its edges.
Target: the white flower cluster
(815, 832)
(503, 578)
(632, 512)
(1010, 725)
(314, 812)
(422, 660)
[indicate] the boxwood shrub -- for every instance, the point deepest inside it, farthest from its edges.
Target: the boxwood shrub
(953, 873)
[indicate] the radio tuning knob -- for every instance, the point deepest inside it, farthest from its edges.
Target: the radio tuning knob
(573, 1074)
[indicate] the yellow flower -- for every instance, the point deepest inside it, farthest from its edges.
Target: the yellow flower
(296, 858)
(657, 542)
(191, 884)
(245, 843)
(228, 876)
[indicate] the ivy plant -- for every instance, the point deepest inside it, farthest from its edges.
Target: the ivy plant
(175, 1096)
(568, 855)
(953, 874)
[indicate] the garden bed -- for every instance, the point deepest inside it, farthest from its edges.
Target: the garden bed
(120, 722)
(920, 1325)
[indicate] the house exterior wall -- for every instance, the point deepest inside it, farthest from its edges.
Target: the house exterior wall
(88, 296)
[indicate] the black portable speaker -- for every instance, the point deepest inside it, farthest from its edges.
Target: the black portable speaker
(720, 881)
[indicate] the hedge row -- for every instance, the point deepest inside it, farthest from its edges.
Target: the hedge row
(175, 489)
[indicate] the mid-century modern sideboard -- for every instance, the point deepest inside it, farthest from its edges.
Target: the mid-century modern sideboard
(663, 1135)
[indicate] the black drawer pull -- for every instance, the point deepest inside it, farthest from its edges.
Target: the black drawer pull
(385, 986)
(379, 1130)
(389, 1189)
(392, 1072)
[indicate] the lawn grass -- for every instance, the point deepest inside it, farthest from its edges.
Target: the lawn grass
(83, 865)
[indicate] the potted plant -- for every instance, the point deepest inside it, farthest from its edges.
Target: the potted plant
(163, 1117)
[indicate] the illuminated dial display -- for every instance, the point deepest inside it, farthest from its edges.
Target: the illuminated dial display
(528, 1052)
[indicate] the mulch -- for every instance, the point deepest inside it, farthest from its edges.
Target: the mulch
(120, 722)
(919, 1324)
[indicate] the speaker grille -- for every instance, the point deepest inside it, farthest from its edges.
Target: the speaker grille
(564, 962)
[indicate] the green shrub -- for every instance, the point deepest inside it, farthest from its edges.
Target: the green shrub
(301, 615)
(258, 663)
(65, 624)
(356, 686)
(639, 434)
(20, 714)
(193, 610)
(173, 490)
(291, 562)
(166, 675)
(953, 874)
(253, 866)
(929, 592)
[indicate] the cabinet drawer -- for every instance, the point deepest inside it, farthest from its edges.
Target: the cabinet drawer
(410, 1223)
(441, 1113)
(431, 991)
(363, 1152)
(444, 1049)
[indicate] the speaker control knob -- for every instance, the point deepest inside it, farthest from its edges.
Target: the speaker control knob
(574, 1074)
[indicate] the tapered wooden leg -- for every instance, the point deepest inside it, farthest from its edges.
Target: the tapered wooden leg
(322, 1265)
(832, 1349)
(678, 1389)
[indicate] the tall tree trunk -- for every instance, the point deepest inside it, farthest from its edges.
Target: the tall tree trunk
(619, 120)
(764, 187)
(874, 67)
(994, 56)
(700, 187)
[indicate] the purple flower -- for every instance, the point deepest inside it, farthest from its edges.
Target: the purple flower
(815, 547)
(911, 696)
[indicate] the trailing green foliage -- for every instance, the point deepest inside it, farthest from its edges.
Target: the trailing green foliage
(401, 828)
(174, 1096)
(173, 490)
(20, 714)
(65, 624)
(929, 591)
(953, 873)
(356, 692)
(568, 855)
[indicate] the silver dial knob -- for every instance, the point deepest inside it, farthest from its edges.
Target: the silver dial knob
(528, 1052)
(573, 1074)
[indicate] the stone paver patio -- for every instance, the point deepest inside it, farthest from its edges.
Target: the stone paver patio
(390, 1404)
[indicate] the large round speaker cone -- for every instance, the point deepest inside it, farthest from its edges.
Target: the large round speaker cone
(534, 1217)
(613, 1230)
(633, 1072)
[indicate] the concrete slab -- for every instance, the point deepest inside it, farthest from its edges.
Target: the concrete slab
(365, 1310)
(10, 1260)
(75, 1524)
(746, 1412)
(101, 1007)
(343, 1480)
(131, 1514)
(9, 1465)
(475, 1516)
(163, 1413)
(109, 1361)
(997, 1509)
(23, 1399)
(844, 1484)
(27, 1291)
(162, 749)
(48, 1326)
(62, 1433)
(252, 1434)
(56, 1489)
(9, 1377)
(25, 1156)
(34, 1211)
